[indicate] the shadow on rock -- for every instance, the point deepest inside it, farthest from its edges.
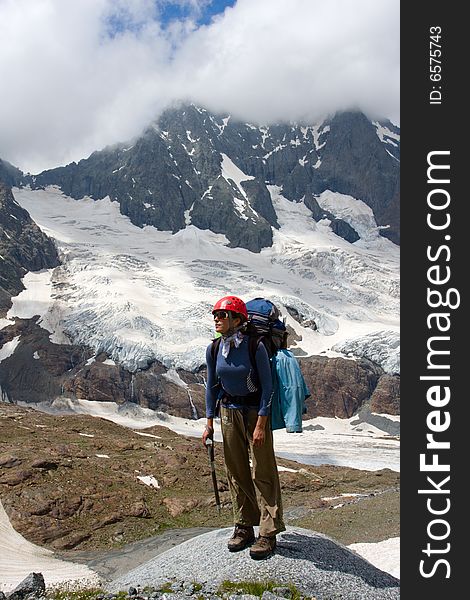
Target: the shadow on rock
(328, 555)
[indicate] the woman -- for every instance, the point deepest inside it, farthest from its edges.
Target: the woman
(245, 402)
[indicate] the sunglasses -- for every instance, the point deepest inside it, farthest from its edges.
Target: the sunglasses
(221, 314)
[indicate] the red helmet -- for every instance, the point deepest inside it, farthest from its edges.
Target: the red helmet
(233, 304)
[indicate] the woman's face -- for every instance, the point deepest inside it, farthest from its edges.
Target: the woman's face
(222, 321)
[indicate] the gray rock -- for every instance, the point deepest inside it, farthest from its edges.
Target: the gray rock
(33, 585)
(315, 563)
(283, 592)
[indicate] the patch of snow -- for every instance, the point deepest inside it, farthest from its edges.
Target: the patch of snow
(381, 347)
(149, 480)
(385, 135)
(6, 322)
(8, 348)
(287, 469)
(173, 376)
(323, 440)
(384, 555)
(18, 558)
(355, 212)
(278, 148)
(158, 437)
(231, 173)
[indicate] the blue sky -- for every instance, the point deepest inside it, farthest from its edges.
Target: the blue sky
(179, 10)
(164, 12)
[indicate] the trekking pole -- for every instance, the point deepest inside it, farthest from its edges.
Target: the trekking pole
(210, 453)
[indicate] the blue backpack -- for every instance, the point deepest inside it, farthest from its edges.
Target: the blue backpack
(290, 391)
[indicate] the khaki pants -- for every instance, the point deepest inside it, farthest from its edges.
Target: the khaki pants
(255, 490)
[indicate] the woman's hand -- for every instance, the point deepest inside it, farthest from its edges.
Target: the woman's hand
(208, 432)
(259, 431)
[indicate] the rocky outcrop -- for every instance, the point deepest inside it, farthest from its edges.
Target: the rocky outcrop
(339, 226)
(40, 370)
(33, 586)
(385, 399)
(23, 247)
(10, 176)
(356, 163)
(339, 386)
(36, 370)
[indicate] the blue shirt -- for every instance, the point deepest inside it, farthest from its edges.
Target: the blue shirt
(237, 376)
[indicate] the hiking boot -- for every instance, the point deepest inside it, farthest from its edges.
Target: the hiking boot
(263, 547)
(242, 537)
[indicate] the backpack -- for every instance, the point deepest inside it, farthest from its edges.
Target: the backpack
(290, 391)
(264, 323)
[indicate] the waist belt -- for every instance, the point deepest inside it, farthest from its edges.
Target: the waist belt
(252, 399)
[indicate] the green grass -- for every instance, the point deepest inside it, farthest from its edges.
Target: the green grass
(66, 591)
(69, 591)
(167, 589)
(256, 588)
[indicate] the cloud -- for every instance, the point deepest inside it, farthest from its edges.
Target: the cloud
(77, 76)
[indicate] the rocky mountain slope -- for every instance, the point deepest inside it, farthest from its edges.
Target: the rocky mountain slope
(171, 175)
(80, 482)
(322, 259)
(23, 246)
(10, 175)
(40, 370)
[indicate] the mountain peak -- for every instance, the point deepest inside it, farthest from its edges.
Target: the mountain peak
(173, 174)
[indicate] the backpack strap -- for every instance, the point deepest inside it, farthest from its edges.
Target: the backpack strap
(253, 343)
(215, 347)
(214, 350)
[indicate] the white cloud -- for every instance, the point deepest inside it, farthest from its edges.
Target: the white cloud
(73, 82)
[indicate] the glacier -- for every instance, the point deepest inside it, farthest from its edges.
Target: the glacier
(144, 295)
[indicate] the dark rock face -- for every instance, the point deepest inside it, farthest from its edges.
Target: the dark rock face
(10, 175)
(40, 370)
(354, 163)
(385, 399)
(178, 172)
(23, 247)
(339, 387)
(339, 226)
(36, 369)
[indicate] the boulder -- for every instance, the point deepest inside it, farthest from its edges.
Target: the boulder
(338, 386)
(33, 585)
